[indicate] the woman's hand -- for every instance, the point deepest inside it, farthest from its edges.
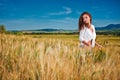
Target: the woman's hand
(87, 43)
(99, 46)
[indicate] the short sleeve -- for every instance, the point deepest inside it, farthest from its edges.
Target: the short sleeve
(81, 35)
(94, 32)
(94, 36)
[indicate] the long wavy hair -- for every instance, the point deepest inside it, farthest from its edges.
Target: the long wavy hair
(81, 23)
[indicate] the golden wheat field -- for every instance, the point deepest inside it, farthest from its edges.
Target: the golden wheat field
(57, 57)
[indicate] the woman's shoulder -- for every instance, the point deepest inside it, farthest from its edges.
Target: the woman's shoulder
(92, 26)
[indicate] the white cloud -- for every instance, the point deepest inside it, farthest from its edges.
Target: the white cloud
(20, 24)
(65, 23)
(99, 8)
(79, 12)
(67, 11)
(65, 20)
(23, 24)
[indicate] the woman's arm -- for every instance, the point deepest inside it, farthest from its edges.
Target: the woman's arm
(87, 43)
(100, 46)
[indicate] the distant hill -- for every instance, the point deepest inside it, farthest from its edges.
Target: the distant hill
(48, 30)
(109, 27)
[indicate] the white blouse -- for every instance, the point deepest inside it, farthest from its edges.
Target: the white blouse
(87, 35)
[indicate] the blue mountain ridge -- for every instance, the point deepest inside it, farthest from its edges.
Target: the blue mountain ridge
(108, 27)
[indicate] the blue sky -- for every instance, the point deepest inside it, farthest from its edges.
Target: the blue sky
(56, 14)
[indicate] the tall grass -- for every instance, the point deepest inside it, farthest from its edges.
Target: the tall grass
(34, 58)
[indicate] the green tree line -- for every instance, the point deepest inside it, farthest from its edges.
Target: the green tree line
(2, 29)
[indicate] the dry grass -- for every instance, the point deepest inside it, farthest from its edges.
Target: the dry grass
(57, 58)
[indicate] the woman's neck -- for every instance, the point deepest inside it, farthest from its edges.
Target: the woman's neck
(87, 25)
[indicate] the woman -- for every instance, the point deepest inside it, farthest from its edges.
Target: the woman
(87, 32)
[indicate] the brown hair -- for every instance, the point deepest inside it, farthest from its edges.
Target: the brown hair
(81, 23)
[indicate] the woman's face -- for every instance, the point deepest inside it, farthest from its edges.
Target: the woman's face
(86, 19)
